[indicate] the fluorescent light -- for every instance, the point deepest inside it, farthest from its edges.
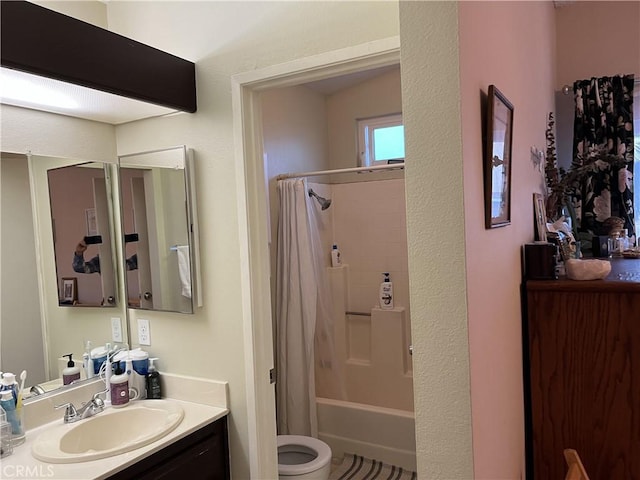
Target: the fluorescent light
(22, 89)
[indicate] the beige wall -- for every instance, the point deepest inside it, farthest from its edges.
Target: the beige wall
(225, 38)
(511, 45)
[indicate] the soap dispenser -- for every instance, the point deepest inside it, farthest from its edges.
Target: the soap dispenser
(154, 389)
(386, 293)
(336, 261)
(72, 372)
(119, 386)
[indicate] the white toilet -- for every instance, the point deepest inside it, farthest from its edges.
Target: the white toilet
(303, 458)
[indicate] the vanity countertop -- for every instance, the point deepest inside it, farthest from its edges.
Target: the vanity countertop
(21, 464)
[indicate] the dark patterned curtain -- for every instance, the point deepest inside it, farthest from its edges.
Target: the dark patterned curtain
(603, 130)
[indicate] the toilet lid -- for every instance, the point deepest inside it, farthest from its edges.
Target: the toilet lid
(321, 449)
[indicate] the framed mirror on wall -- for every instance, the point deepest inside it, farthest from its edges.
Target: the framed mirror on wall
(497, 159)
(160, 230)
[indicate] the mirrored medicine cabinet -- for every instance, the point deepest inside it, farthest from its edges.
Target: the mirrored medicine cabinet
(141, 207)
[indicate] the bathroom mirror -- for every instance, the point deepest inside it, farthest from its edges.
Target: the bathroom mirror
(159, 229)
(82, 225)
(36, 331)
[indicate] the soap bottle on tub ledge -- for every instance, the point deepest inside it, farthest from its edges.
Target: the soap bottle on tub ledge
(386, 292)
(336, 261)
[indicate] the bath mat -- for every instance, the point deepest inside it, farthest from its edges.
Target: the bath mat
(355, 467)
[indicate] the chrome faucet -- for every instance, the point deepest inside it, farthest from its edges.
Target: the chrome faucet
(89, 409)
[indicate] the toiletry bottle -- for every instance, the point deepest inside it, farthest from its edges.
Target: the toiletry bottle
(119, 386)
(154, 389)
(6, 448)
(336, 261)
(9, 384)
(72, 372)
(87, 363)
(9, 406)
(386, 293)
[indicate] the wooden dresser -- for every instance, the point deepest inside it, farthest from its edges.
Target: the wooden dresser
(582, 374)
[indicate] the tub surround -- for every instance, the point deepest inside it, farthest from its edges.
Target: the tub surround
(204, 401)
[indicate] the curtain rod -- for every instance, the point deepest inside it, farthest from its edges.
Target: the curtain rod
(567, 89)
(391, 166)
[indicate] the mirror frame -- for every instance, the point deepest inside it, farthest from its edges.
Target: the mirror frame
(499, 129)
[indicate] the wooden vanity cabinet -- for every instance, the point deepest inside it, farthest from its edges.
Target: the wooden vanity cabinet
(202, 455)
(582, 374)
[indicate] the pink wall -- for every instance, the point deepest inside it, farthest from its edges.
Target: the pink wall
(511, 45)
(597, 39)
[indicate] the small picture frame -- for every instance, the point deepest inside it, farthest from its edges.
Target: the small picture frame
(497, 159)
(69, 291)
(540, 217)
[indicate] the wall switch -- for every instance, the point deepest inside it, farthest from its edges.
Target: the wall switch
(116, 329)
(144, 334)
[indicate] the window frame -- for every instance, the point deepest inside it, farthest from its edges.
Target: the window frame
(365, 134)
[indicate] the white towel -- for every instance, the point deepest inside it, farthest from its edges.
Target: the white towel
(184, 269)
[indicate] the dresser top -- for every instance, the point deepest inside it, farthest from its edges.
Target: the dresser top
(624, 276)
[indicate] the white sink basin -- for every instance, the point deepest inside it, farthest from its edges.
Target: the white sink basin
(109, 433)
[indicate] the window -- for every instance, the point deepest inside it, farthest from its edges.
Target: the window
(380, 140)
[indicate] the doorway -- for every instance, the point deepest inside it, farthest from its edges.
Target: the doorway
(251, 177)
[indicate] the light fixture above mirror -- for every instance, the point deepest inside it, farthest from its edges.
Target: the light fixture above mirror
(46, 51)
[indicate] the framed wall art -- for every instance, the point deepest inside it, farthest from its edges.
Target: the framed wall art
(497, 160)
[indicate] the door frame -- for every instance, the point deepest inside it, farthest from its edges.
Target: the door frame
(253, 224)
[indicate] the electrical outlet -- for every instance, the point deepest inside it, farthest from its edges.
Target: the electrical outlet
(116, 329)
(144, 334)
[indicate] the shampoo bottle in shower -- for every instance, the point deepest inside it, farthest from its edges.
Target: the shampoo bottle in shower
(386, 293)
(336, 261)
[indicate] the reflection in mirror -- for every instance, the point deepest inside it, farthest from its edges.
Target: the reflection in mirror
(81, 219)
(34, 332)
(157, 225)
(21, 336)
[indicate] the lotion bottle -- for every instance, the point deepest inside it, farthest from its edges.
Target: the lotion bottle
(119, 386)
(154, 389)
(336, 261)
(386, 293)
(72, 372)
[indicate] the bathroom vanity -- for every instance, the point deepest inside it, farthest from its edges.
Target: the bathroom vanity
(196, 448)
(582, 373)
(202, 455)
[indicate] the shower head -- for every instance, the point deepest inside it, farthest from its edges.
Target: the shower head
(324, 203)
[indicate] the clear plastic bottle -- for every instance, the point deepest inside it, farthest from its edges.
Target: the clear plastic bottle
(6, 448)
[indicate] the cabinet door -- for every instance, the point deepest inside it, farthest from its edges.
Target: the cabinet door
(584, 354)
(203, 455)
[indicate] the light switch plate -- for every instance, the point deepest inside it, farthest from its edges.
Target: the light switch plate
(116, 329)
(144, 334)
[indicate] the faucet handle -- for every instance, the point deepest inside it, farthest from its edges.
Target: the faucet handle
(70, 413)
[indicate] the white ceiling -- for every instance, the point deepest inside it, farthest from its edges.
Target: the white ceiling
(332, 85)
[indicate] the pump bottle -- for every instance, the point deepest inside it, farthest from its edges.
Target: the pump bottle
(386, 293)
(154, 389)
(336, 261)
(72, 372)
(119, 386)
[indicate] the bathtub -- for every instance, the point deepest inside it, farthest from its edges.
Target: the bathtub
(379, 433)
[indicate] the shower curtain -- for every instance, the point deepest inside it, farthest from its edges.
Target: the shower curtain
(301, 308)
